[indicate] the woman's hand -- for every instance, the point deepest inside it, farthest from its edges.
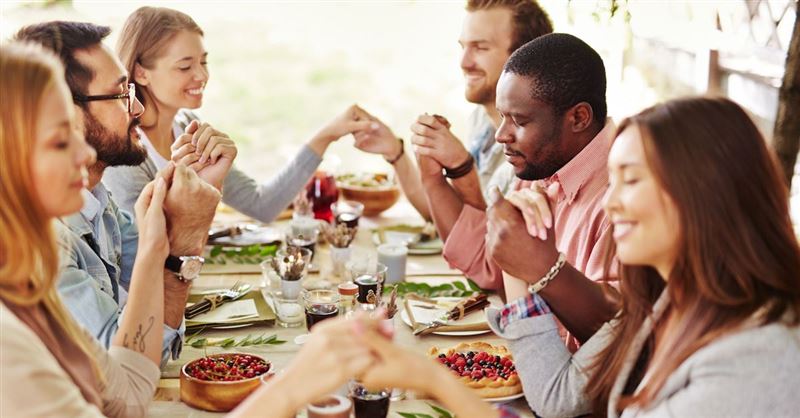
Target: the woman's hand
(330, 357)
(150, 219)
(207, 151)
(348, 122)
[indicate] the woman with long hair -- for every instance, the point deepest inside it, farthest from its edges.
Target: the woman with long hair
(163, 51)
(65, 371)
(709, 280)
(50, 365)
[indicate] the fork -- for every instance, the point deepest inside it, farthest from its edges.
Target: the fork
(236, 291)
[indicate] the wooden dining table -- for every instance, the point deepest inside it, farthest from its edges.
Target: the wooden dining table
(431, 269)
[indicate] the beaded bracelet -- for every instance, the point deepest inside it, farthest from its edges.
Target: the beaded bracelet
(551, 274)
(462, 170)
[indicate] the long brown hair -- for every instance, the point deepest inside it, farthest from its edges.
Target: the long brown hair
(29, 256)
(737, 255)
(142, 40)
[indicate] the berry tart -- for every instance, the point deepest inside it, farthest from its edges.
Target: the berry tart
(489, 370)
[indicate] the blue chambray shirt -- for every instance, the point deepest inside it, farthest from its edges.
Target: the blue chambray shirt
(98, 251)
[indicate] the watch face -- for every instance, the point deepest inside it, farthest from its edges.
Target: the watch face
(190, 268)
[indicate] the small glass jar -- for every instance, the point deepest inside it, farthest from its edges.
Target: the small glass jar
(347, 298)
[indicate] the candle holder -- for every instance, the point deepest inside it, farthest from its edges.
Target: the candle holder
(291, 265)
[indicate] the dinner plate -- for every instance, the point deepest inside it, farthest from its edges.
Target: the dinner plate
(505, 398)
(251, 235)
(427, 315)
(405, 234)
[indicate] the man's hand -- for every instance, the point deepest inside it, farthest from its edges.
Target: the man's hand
(379, 139)
(207, 151)
(190, 207)
(511, 246)
(428, 166)
(434, 139)
(347, 122)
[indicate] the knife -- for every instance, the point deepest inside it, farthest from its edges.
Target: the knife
(468, 305)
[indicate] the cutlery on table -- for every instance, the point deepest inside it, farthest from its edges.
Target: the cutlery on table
(462, 308)
(212, 302)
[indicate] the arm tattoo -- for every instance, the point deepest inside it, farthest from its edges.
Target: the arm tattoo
(138, 342)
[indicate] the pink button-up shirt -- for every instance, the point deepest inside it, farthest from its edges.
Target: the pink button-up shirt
(580, 223)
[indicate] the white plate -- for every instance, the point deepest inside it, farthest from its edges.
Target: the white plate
(433, 246)
(251, 236)
(505, 398)
(426, 315)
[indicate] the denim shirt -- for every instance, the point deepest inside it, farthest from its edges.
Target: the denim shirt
(98, 251)
(487, 152)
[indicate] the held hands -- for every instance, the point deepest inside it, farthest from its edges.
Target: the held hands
(432, 138)
(348, 122)
(534, 203)
(150, 219)
(511, 246)
(189, 206)
(205, 150)
(379, 139)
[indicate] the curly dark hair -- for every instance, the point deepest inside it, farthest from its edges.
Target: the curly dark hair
(64, 38)
(566, 71)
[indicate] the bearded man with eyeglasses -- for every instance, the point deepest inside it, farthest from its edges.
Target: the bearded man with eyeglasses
(100, 242)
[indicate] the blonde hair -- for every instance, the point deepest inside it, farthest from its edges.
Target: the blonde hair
(143, 38)
(29, 255)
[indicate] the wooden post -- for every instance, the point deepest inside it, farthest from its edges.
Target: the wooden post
(786, 135)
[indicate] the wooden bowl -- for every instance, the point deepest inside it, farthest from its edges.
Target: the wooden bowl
(217, 396)
(375, 200)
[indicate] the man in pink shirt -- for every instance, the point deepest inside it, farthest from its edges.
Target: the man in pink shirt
(551, 98)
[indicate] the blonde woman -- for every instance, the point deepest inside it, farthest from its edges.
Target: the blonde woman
(163, 51)
(50, 365)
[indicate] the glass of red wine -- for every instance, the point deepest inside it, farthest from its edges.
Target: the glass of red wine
(347, 212)
(367, 403)
(322, 192)
(320, 305)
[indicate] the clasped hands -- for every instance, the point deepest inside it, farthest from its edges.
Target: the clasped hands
(519, 233)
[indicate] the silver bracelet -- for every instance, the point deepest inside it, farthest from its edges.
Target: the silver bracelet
(551, 274)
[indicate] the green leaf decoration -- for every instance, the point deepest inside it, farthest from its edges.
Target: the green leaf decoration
(443, 413)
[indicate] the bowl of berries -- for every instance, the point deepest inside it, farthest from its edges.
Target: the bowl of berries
(219, 382)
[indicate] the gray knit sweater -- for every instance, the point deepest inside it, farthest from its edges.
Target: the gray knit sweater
(754, 372)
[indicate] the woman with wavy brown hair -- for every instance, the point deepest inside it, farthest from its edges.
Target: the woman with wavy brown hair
(709, 280)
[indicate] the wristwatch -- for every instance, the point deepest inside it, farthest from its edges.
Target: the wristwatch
(186, 267)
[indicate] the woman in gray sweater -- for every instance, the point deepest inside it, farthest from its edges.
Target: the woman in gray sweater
(709, 282)
(162, 49)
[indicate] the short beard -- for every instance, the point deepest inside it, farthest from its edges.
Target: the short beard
(112, 149)
(481, 96)
(549, 164)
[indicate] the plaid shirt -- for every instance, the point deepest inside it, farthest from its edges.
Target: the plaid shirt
(506, 412)
(524, 307)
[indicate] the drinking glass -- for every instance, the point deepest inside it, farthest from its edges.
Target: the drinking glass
(320, 305)
(288, 310)
(347, 212)
(369, 404)
(368, 277)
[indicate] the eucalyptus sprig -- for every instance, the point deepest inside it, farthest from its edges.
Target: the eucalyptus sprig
(441, 413)
(200, 342)
(251, 254)
(452, 289)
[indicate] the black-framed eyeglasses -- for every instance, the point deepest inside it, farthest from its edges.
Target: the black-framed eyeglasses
(130, 95)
